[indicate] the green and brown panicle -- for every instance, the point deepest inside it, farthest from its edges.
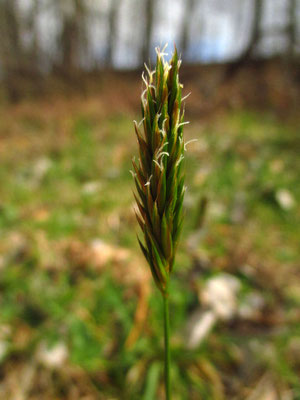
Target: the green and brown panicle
(158, 173)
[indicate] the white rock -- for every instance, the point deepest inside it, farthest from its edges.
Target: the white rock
(41, 167)
(220, 295)
(198, 327)
(103, 253)
(285, 199)
(52, 357)
(91, 187)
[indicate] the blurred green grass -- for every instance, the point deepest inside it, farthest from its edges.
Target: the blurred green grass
(65, 183)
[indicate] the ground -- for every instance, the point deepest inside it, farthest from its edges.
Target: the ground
(80, 317)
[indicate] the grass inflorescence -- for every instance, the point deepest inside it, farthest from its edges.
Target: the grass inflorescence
(158, 173)
(159, 178)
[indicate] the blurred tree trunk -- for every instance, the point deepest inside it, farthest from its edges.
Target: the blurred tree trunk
(33, 56)
(292, 28)
(69, 40)
(149, 13)
(11, 53)
(255, 33)
(253, 40)
(73, 36)
(187, 17)
(112, 31)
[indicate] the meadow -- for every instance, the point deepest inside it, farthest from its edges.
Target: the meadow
(80, 317)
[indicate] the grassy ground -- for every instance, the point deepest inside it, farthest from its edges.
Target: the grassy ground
(79, 316)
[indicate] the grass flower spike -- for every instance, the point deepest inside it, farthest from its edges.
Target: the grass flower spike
(158, 172)
(158, 175)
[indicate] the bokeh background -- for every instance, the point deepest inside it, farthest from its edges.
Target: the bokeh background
(79, 315)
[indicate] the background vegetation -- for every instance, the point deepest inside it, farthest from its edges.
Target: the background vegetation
(79, 315)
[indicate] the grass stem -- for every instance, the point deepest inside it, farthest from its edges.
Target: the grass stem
(167, 347)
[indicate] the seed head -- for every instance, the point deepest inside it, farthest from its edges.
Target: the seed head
(158, 173)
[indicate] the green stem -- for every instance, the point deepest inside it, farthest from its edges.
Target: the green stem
(167, 347)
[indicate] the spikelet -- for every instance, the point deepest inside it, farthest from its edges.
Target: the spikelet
(158, 173)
